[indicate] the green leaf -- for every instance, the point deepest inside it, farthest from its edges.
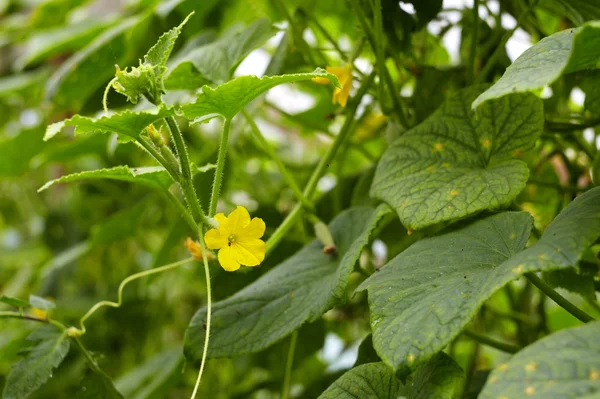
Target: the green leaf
(368, 381)
(572, 281)
(230, 98)
(456, 163)
(424, 297)
(129, 125)
(155, 177)
(296, 291)
(121, 225)
(437, 379)
(578, 11)
(564, 52)
(215, 62)
(18, 151)
(564, 365)
(48, 351)
(159, 53)
(12, 301)
(41, 303)
(596, 170)
(98, 386)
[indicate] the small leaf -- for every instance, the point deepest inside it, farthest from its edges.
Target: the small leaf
(296, 291)
(456, 163)
(98, 386)
(12, 301)
(230, 98)
(215, 62)
(437, 379)
(158, 54)
(48, 351)
(127, 124)
(564, 365)
(41, 303)
(155, 177)
(564, 52)
(368, 381)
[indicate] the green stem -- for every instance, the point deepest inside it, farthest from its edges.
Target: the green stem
(559, 299)
(282, 169)
(93, 364)
(473, 50)
(185, 214)
(119, 302)
(288, 366)
(309, 190)
(18, 315)
(216, 190)
(187, 179)
(208, 312)
(502, 346)
(160, 159)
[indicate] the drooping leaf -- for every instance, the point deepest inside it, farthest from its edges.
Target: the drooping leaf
(230, 98)
(155, 177)
(456, 163)
(98, 386)
(296, 291)
(41, 303)
(437, 379)
(127, 124)
(215, 62)
(367, 381)
(12, 301)
(50, 346)
(564, 52)
(427, 294)
(564, 365)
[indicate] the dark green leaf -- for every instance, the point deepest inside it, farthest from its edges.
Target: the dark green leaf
(48, 351)
(41, 303)
(128, 125)
(298, 290)
(564, 365)
(437, 379)
(568, 51)
(572, 281)
(457, 163)
(230, 98)
(368, 381)
(12, 301)
(98, 386)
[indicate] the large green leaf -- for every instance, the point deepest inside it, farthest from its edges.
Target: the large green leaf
(215, 62)
(563, 365)
(426, 295)
(129, 125)
(437, 379)
(457, 163)
(48, 351)
(230, 98)
(155, 177)
(296, 291)
(564, 52)
(367, 381)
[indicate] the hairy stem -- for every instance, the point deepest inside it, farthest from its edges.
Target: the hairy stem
(288, 366)
(216, 190)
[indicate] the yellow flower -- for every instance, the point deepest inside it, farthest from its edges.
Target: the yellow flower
(39, 313)
(237, 239)
(344, 75)
(196, 251)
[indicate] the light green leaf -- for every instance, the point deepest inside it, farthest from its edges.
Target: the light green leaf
(60, 40)
(48, 351)
(230, 98)
(296, 291)
(456, 163)
(564, 365)
(129, 125)
(424, 297)
(564, 52)
(437, 379)
(368, 381)
(155, 177)
(41, 303)
(12, 301)
(98, 386)
(161, 51)
(215, 62)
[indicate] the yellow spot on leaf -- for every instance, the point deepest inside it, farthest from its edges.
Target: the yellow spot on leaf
(503, 367)
(594, 375)
(411, 358)
(512, 236)
(439, 147)
(453, 192)
(518, 152)
(486, 143)
(445, 164)
(530, 390)
(531, 366)
(492, 380)
(409, 232)
(518, 269)
(542, 257)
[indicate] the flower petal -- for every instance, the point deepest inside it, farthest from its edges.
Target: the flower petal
(238, 219)
(216, 239)
(255, 229)
(226, 259)
(222, 220)
(249, 252)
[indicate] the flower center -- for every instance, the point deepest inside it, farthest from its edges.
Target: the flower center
(231, 239)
